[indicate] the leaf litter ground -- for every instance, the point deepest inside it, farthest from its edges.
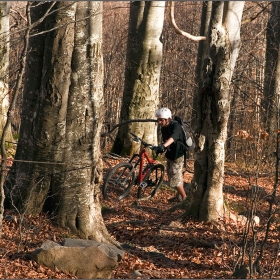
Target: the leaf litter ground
(158, 243)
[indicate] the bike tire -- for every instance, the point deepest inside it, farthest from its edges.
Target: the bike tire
(118, 181)
(151, 182)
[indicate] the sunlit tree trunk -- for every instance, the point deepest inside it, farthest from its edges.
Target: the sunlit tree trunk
(78, 200)
(64, 169)
(4, 66)
(223, 45)
(142, 73)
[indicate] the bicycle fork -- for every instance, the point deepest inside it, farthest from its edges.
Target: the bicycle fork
(143, 184)
(128, 176)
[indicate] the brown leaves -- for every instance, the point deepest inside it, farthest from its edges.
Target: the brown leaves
(19, 237)
(163, 246)
(159, 245)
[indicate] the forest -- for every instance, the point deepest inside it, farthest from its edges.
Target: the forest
(78, 78)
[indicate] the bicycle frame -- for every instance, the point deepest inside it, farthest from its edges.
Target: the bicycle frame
(148, 178)
(141, 160)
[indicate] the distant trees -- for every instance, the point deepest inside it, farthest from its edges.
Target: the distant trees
(115, 32)
(142, 73)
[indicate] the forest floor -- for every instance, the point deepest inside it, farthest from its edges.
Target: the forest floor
(159, 243)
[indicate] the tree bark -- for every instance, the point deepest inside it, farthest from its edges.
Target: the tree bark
(142, 73)
(213, 110)
(4, 66)
(27, 189)
(11, 110)
(65, 171)
(78, 204)
(271, 101)
(4, 98)
(202, 52)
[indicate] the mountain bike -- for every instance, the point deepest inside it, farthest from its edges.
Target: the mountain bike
(122, 177)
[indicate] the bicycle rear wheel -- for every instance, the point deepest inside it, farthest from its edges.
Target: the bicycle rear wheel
(118, 181)
(151, 182)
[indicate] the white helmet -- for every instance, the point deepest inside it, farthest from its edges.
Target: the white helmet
(163, 113)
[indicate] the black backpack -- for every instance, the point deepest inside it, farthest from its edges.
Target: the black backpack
(188, 143)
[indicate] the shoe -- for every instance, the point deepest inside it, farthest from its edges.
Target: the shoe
(174, 199)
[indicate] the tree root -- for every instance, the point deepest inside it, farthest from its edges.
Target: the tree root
(237, 218)
(183, 205)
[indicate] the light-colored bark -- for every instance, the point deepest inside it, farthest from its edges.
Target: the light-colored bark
(65, 168)
(180, 31)
(142, 74)
(78, 205)
(214, 108)
(4, 66)
(4, 61)
(4, 98)
(10, 112)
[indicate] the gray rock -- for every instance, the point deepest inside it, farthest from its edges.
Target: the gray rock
(83, 258)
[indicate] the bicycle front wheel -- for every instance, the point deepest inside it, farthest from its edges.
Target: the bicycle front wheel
(151, 182)
(119, 181)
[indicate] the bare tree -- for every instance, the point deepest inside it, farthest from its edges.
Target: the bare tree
(272, 68)
(62, 170)
(4, 66)
(202, 51)
(10, 115)
(4, 97)
(142, 74)
(223, 43)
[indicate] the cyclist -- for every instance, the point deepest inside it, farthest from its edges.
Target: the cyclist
(172, 133)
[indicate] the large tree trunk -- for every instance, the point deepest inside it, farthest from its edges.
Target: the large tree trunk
(144, 58)
(4, 98)
(30, 103)
(202, 52)
(66, 169)
(78, 202)
(213, 110)
(4, 66)
(26, 191)
(271, 99)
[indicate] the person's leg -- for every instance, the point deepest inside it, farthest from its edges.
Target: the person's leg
(181, 192)
(175, 171)
(179, 163)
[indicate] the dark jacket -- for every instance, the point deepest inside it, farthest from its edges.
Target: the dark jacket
(174, 130)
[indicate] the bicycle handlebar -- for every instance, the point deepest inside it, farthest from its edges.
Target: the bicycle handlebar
(145, 144)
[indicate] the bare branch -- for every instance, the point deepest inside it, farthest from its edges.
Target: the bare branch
(251, 19)
(179, 31)
(125, 122)
(18, 12)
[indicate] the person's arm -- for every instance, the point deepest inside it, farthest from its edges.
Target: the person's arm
(168, 142)
(175, 133)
